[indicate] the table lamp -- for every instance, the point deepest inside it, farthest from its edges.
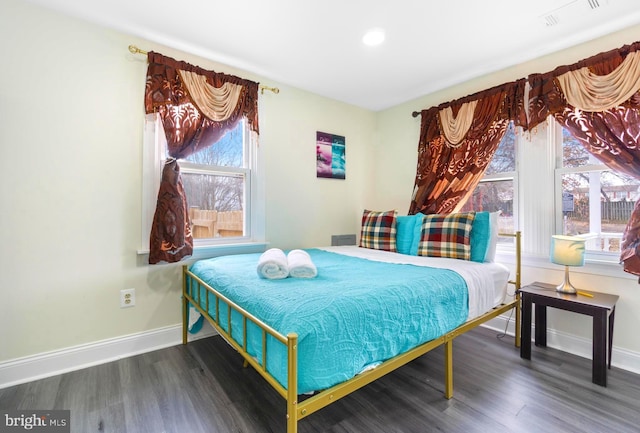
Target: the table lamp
(567, 251)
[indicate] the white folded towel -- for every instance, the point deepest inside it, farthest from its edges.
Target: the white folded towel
(301, 265)
(273, 265)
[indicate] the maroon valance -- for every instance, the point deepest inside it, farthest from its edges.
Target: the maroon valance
(186, 127)
(448, 171)
(545, 94)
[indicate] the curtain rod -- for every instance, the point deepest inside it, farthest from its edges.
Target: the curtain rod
(490, 91)
(135, 50)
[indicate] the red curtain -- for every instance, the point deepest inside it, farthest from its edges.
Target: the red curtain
(612, 135)
(447, 172)
(187, 130)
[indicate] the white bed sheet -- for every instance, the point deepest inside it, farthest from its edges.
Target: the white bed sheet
(487, 282)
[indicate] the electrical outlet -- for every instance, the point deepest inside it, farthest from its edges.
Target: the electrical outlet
(127, 298)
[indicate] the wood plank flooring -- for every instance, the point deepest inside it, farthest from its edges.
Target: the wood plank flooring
(203, 388)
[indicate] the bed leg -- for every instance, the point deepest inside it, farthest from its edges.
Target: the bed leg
(184, 322)
(518, 284)
(185, 306)
(292, 383)
(518, 320)
(448, 369)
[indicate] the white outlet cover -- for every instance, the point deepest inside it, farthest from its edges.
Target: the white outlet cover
(127, 298)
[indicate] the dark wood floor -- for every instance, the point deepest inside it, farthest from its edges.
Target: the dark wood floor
(202, 387)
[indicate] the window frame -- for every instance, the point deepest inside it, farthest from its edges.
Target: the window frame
(153, 156)
(244, 172)
(559, 172)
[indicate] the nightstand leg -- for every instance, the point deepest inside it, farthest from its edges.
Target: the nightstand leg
(599, 368)
(612, 316)
(541, 325)
(525, 340)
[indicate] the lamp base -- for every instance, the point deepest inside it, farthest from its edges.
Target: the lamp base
(566, 286)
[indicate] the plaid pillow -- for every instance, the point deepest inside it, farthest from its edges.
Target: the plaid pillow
(447, 235)
(379, 230)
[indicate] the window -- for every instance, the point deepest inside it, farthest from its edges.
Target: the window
(544, 182)
(221, 184)
(592, 201)
(497, 190)
(217, 182)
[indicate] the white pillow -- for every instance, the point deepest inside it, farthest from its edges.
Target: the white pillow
(493, 237)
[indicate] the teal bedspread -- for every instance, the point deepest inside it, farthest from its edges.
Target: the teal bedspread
(354, 314)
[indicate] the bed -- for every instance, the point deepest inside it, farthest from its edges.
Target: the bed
(368, 312)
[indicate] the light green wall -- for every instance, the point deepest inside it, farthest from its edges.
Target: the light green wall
(302, 210)
(71, 110)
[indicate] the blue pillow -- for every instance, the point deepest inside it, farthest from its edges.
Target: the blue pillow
(493, 237)
(404, 233)
(417, 234)
(408, 231)
(480, 235)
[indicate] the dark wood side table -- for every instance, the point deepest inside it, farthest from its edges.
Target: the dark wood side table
(600, 306)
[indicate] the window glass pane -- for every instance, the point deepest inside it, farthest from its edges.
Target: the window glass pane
(597, 206)
(498, 195)
(227, 152)
(575, 203)
(504, 160)
(573, 153)
(216, 197)
(493, 196)
(216, 204)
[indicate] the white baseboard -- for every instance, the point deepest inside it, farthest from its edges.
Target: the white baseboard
(49, 364)
(620, 358)
(27, 369)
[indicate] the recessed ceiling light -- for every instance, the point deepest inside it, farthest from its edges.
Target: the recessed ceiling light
(373, 37)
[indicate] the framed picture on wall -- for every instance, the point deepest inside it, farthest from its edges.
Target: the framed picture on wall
(330, 155)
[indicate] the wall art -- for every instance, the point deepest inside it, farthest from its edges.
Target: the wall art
(330, 155)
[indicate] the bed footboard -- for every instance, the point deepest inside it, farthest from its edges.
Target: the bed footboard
(192, 293)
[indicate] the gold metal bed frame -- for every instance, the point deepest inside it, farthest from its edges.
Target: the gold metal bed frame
(299, 410)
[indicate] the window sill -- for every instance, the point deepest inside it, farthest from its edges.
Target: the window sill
(208, 251)
(609, 268)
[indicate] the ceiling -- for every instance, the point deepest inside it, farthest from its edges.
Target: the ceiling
(317, 45)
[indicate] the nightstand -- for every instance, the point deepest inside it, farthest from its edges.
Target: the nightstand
(600, 306)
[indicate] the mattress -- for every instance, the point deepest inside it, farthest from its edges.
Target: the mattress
(364, 307)
(487, 282)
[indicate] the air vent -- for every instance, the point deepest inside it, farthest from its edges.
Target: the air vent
(338, 240)
(550, 20)
(570, 11)
(594, 4)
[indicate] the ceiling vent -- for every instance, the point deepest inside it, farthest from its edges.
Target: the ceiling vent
(570, 10)
(550, 20)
